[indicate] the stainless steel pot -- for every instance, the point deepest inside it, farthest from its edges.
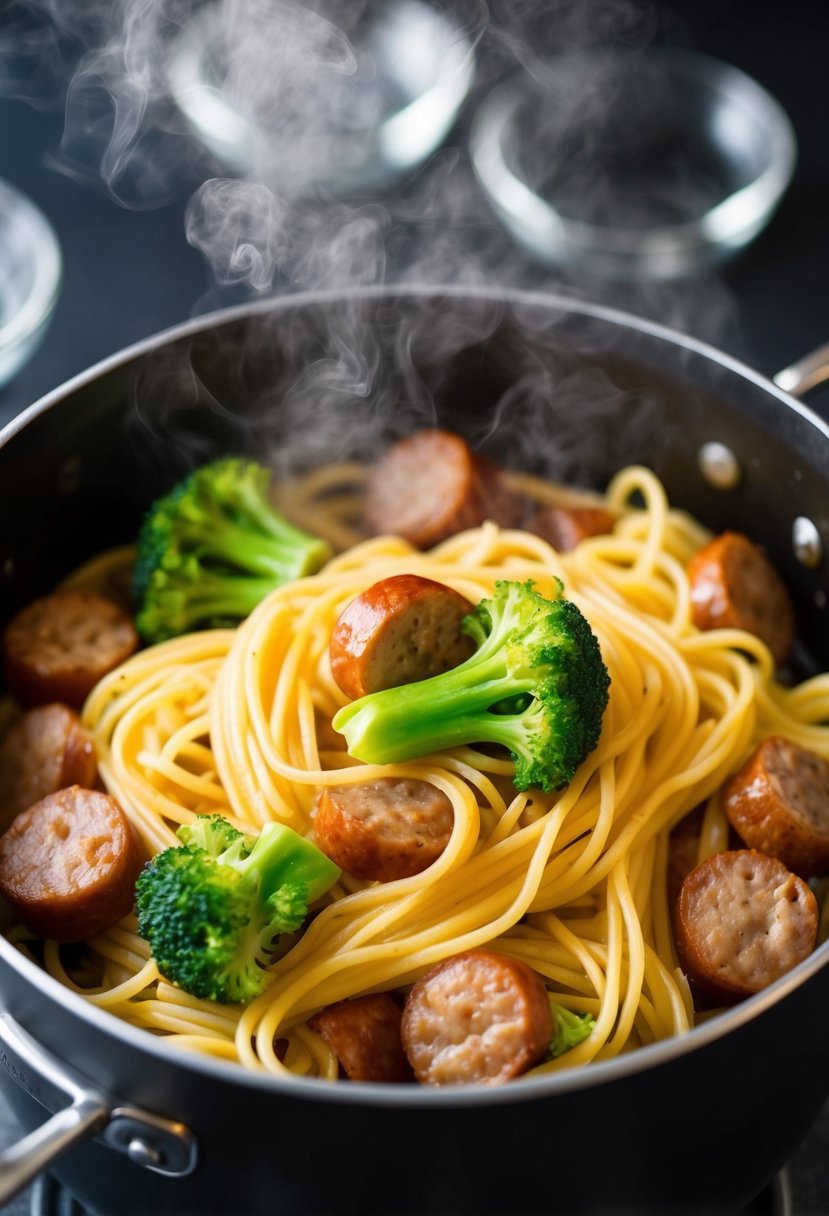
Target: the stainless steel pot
(699, 1123)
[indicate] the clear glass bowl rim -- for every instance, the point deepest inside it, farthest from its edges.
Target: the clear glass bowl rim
(41, 246)
(371, 151)
(727, 225)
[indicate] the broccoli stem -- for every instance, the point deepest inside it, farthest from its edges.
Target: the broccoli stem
(444, 711)
(281, 857)
(286, 553)
(218, 598)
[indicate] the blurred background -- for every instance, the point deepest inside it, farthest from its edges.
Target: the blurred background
(135, 130)
(154, 228)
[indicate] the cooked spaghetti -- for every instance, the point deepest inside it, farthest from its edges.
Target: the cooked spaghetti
(573, 883)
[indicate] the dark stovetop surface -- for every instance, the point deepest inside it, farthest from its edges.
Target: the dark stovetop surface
(131, 272)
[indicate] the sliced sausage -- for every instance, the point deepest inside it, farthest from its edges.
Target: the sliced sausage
(743, 920)
(328, 739)
(735, 586)
(565, 527)
(779, 803)
(431, 485)
(58, 647)
(476, 1018)
(386, 829)
(402, 629)
(45, 750)
(68, 864)
(364, 1034)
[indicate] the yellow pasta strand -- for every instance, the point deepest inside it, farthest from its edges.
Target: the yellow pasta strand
(574, 883)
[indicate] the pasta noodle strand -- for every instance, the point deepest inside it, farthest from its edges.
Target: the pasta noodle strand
(238, 721)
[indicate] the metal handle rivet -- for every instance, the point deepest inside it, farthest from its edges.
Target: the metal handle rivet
(141, 1152)
(806, 542)
(719, 466)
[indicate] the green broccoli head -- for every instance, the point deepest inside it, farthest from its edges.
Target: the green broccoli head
(212, 548)
(569, 1029)
(212, 908)
(216, 835)
(536, 684)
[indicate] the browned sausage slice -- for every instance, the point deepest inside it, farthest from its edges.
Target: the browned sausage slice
(68, 864)
(45, 750)
(779, 803)
(431, 485)
(364, 1034)
(735, 586)
(743, 920)
(58, 647)
(565, 527)
(476, 1018)
(386, 829)
(401, 629)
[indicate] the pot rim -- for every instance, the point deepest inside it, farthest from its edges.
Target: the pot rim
(360, 1093)
(399, 1095)
(514, 297)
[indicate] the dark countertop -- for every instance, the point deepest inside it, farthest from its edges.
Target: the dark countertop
(130, 272)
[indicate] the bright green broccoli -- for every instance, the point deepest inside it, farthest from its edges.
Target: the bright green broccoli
(212, 908)
(569, 1029)
(213, 547)
(535, 684)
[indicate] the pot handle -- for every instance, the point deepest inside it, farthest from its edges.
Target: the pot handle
(806, 374)
(158, 1144)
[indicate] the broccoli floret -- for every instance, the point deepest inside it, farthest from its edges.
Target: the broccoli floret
(212, 908)
(214, 834)
(535, 684)
(569, 1029)
(212, 548)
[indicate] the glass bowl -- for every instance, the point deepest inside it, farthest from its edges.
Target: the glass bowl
(633, 164)
(285, 94)
(30, 276)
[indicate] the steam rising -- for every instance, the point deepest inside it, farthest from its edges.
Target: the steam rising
(300, 73)
(240, 228)
(304, 77)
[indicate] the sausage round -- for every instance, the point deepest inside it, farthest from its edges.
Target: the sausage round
(565, 527)
(431, 485)
(45, 750)
(68, 864)
(778, 803)
(401, 629)
(58, 647)
(476, 1018)
(364, 1034)
(735, 586)
(743, 920)
(386, 829)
